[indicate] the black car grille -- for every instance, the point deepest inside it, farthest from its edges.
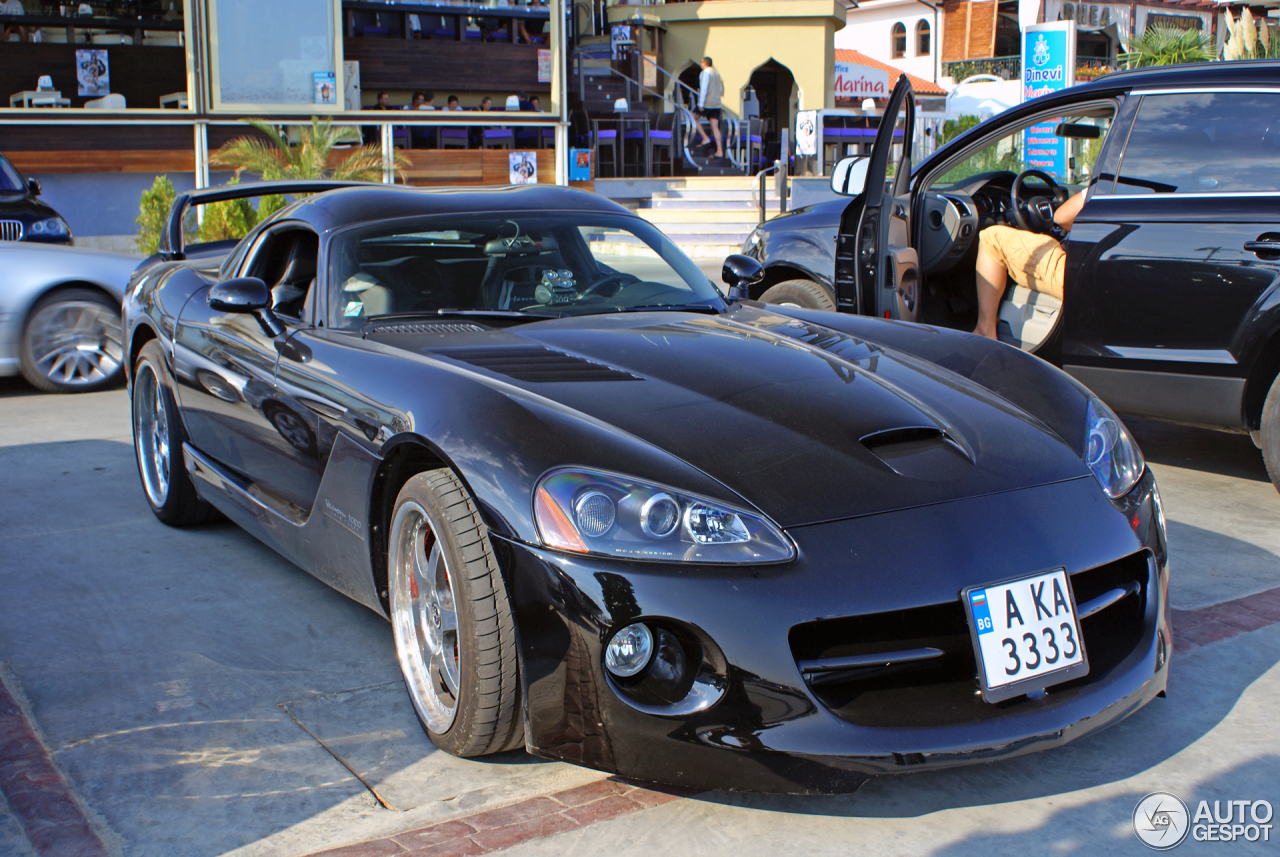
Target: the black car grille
(11, 230)
(535, 363)
(917, 668)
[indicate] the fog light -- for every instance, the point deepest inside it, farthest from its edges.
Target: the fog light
(629, 650)
(594, 512)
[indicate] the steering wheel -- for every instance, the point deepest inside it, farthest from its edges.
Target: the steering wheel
(599, 284)
(1035, 214)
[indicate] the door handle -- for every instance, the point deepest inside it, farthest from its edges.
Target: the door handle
(1262, 246)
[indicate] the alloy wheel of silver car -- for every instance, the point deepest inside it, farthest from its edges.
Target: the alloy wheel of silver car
(151, 434)
(424, 617)
(75, 343)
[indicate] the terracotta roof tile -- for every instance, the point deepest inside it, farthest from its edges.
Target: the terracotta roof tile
(918, 84)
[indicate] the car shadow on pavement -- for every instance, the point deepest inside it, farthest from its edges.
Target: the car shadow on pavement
(1205, 687)
(1193, 448)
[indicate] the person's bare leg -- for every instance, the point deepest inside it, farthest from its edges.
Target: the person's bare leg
(991, 277)
(715, 131)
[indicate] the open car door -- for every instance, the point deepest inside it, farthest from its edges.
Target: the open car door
(877, 269)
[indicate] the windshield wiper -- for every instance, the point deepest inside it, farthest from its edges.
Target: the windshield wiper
(707, 308)
(486, 313)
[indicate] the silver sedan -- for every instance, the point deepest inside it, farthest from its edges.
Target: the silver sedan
(60, 315)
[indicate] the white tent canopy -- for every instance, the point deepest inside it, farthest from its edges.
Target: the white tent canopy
(982, 95)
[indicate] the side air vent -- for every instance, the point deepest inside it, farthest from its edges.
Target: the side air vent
(431, 327)
(919, 452)
(535, 363)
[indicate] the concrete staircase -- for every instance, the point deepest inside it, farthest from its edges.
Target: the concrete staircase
(705, 217)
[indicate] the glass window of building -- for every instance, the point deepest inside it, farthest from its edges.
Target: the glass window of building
(899, 40)
(290, 63)
(922, 39)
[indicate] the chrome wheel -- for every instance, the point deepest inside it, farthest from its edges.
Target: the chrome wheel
(75, 343)
(424, 617)
(151, 434)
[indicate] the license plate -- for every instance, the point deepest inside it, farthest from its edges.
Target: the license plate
(1025, 634)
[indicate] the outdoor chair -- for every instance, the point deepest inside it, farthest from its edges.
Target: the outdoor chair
(453, 138)
(498, 138)
(606, 141)
(114, 101)
(662, 143)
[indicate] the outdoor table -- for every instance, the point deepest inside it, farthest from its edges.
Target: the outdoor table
(459, 12)
(174, 99)
(39, 98)
(631, 125)
(137, 26)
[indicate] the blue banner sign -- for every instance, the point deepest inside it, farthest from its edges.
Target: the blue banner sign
(1048, 65)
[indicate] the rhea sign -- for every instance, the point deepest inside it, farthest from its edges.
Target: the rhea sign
(861, 81)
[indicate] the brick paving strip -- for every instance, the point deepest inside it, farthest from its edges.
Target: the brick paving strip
(56, 824)
(38, 796)
(526, 821)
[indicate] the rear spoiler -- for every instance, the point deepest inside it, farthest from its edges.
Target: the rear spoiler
(171, 243)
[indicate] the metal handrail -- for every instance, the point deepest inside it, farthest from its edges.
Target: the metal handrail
(732, 141)
(760, 199)
(735, 120)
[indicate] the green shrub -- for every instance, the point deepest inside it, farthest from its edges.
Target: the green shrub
(153, 209)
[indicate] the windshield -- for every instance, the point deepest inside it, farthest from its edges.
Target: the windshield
(563, 263)
(9, 178)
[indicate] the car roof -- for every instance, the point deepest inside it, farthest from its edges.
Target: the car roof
(337, 208)
(1234, 73)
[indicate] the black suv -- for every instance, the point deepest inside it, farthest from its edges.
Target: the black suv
(22, 216)
(1172, 276)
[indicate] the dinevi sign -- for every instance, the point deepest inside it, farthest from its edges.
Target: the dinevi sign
(861, 81)
(1048, 65)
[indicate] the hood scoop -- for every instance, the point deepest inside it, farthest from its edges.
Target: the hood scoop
(430, 327)
(535, 363)
(919, 452)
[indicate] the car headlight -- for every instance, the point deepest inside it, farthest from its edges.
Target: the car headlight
(752, 240)
(590, 511)
(50, 226)
(1110, 452)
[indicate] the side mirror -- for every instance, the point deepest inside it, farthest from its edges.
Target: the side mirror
(740, 273)
(247, 295)
(33, 187)
(849, 178)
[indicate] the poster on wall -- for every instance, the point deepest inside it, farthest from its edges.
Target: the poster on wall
(93, 75)
(326, 86)
(649, 70)
(1048, 65)
(807, 132)
(620, 40)
(579, 165)
(523, 167)
(544, 65)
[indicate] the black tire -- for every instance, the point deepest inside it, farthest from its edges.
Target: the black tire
(1269, 437)
(435, 525)
(72, 342)
(805, 294)
(157, 443)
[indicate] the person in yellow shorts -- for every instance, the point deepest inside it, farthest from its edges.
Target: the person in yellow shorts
(1034, 261)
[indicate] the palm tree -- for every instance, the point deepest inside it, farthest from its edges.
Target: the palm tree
(1162, 45)
(274, 158)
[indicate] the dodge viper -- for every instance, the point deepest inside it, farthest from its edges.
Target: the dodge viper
(619, 517)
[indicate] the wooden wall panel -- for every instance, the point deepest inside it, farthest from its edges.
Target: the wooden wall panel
(140, 73)
(98, 161)
(75, 138)
(445, 167)
(444, 66)
(968, 29)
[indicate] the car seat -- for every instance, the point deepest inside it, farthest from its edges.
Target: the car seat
(289, 294)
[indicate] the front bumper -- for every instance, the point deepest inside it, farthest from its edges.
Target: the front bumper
(770, 730)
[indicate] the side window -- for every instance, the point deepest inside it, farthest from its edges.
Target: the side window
(286, 261)
(1039, 147)
(1226, 142)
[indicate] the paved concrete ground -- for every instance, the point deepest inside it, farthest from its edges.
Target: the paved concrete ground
(202, 696)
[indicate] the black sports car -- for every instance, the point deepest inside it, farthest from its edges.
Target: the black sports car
(621, 520)
(1171, 301)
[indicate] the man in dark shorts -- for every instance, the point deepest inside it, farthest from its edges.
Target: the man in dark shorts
(710, 89)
